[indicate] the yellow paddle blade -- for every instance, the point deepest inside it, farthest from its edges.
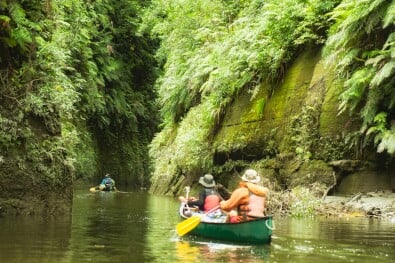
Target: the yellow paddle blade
(187, 225)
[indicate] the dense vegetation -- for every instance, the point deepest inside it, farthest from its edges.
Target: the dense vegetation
(79, 80)
(361, 44)
(76, 88)
(213, 50)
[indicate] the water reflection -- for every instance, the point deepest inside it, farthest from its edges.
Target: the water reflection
(138, 227)
(27, 239)
(108, 226)
(186, 252)
(190, 251)
(334, 240)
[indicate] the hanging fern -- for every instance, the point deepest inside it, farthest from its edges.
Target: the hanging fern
(217, 48)
(362, 44)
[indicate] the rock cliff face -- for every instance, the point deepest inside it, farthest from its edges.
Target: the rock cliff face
(35, 176)
(292, 133)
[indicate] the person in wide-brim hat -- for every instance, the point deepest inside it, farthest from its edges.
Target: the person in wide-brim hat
(249, 200)
(251, 176)
(209, 198)
(207, 180)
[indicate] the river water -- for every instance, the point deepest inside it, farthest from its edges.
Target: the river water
(138, 227)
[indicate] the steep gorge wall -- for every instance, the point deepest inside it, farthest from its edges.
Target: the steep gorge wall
(294, 135)
(35, 175)
(273, 108)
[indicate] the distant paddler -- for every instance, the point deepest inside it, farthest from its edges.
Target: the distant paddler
(107, 184)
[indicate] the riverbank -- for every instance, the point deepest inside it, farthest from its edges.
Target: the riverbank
(302, 202)
(379, 204)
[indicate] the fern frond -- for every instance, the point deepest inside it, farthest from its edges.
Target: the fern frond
(387, 141)
(17, 13)
(389, 18)
(356, 88)
(382, 75)
(369, 111)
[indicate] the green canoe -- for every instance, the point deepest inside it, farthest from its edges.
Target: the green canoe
(254, 232)
(257, 231)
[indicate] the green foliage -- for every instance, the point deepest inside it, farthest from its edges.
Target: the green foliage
(210, 51)
(302, 140)
(207, 54)
(183, 147)
(362, 45)
(384, 136)
(82, 152)
(330, 149)
(47, 158)
(20, 35)
(10, 132)
(305, 141)
(303, 202)
(69, 62)
(113, 96)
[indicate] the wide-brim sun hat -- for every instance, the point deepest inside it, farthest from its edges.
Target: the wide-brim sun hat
(207, 180)
(251, 176)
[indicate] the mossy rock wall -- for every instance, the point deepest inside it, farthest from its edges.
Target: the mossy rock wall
(290, 132)
(262, 128)
(35, 177)
(250, 122)
(22, 193)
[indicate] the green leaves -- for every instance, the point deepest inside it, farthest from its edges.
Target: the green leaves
(69, 61)
(384, 136)
(364, 51)
(355, 89)
(216, 48)
(212, 50)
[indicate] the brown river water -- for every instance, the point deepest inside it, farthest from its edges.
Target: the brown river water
(139, 227)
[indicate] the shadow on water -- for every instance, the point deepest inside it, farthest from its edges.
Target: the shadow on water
(27, 239)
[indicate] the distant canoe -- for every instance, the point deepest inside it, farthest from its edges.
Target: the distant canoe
(95, 190)
(257, 231)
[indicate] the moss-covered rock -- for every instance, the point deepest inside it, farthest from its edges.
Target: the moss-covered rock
(312, 172)
(290, 133)
(29, 187)
(263, 121)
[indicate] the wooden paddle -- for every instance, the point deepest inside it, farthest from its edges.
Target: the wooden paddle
(189, 224)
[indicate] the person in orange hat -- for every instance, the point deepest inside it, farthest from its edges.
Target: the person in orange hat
(249, 200)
